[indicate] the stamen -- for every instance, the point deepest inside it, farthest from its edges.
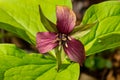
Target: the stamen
(59, 48)
(60, 43)
(57, 39)
(63, 34)
(69, 38)
(66, 45)
(64, 39)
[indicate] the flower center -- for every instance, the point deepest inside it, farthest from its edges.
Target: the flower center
(62, 38)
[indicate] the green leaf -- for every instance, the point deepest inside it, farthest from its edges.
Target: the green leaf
(47, 24)
(15, 64)
(100, 11)
(22, 16)
(82, 30)
(11, 50)
(106, 33)
(40, 72)
(89, 62)
(100, 63)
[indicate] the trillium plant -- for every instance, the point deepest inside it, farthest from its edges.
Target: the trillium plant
(62, 37)
(61, 45)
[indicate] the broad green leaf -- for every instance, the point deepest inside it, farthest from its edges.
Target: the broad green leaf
(41, 72)
(16, 64)
(100, 11)
(106, 33)
(11, 56)
(22, 16)
(11, 50)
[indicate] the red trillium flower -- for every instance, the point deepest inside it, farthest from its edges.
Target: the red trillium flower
(66, 20)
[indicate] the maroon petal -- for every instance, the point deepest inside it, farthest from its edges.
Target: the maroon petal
(75, 51)
(65, 19)
(46, 41)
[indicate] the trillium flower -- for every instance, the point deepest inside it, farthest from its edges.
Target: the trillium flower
(47, 41)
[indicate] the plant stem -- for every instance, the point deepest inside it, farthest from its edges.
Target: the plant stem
(58, 57)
